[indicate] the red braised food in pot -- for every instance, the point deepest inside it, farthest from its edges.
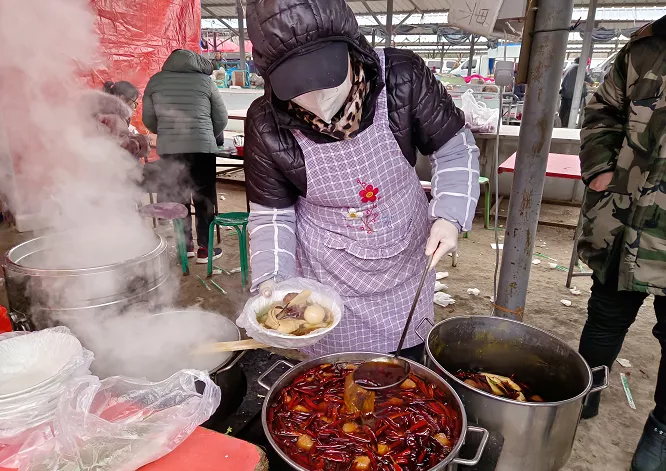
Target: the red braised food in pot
(324, 421)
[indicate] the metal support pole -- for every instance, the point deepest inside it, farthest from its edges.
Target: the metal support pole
(407, 16)
(551, 32)
(374, 35)
(214, 41)
(372, 13)
(470, 62)
(221, 20)
(582, 65)
(441, 60)
(241, 34)
(389, 22)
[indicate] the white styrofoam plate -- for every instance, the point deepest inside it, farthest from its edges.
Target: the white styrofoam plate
(31, 360)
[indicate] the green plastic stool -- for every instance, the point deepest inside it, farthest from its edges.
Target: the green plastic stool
(239, 222)
(176, 213)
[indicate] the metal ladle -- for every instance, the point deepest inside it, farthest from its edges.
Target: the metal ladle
(389, 371)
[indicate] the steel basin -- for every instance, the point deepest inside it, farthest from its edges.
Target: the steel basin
(532, 436)
(44, 295)
(449, 463)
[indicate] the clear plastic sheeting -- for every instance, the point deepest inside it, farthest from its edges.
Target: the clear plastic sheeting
(323, 295)
(136, 37)
(121, 424)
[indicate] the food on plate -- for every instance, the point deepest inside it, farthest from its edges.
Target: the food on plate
(295, 315)
(501, 386)
(402, 429)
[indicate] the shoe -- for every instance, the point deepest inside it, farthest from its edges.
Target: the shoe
(591, 407)
(202, 254)
(651, 451)
(190, 251)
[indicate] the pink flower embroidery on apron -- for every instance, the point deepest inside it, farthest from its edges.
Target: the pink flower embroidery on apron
(368, 215)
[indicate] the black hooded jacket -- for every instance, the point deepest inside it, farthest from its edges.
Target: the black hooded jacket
(422, 115)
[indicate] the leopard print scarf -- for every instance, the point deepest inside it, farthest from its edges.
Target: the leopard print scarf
(346, 122)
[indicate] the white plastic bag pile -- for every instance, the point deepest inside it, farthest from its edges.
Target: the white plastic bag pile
(116, 424)
(478, 116)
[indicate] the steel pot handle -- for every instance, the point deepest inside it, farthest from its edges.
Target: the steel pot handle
(233, 362)
(269, 370)
(418, 326)
(482, 446)
(604, 384)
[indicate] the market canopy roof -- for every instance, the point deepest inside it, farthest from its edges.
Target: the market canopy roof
(227, 8)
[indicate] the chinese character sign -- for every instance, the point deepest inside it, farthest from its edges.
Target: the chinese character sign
(474, 16)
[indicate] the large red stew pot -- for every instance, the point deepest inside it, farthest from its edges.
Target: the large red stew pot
(432, 406)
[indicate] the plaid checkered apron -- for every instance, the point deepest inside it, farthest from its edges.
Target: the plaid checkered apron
(362, 230)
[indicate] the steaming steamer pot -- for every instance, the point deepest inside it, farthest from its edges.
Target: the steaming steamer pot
(45, 296)
(449, 463)
(524, 436)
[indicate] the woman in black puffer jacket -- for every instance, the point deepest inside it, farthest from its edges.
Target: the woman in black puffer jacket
(330, 150)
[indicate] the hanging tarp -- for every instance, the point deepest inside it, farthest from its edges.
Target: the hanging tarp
(136, 37)
(604, 35)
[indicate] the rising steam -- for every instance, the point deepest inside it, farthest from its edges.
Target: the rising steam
(56, 164)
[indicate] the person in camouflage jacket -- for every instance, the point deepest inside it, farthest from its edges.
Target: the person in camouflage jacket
(623, 164)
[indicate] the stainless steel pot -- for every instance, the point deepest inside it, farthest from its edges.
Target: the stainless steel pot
(449, 463)
(43, 295)
(155, 346)
(532, 436)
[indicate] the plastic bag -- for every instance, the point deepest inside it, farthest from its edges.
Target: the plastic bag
(321, 294)
(477, 115)
(121, 424)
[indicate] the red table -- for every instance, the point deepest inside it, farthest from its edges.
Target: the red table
(559, 166)
(206, 450)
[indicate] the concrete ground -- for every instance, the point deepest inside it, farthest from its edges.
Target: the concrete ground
(605, 443)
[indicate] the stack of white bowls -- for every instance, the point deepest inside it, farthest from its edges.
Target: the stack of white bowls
(34, 369)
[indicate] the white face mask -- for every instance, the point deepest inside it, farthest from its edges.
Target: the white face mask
(326, 103)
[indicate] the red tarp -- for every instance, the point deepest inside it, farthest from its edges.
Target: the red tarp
(136, 37)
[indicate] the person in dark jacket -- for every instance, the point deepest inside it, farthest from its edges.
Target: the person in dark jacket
(217, 61)
(330, 151)
(568, 88)
(183, 106)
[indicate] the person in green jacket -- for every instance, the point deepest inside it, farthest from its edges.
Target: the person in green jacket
(182, 105)
(623, 164)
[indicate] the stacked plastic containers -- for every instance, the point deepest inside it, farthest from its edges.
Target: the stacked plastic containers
(34, 368)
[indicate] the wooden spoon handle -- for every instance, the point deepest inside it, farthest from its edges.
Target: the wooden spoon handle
(221, 347)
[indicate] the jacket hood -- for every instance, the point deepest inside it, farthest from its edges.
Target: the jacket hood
(281, 28)
(182, 60)
(95, 103)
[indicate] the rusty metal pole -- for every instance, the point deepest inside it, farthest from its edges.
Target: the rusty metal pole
(549, 43)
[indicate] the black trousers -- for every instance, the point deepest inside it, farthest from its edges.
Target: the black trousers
(186, 178)
(610, 313)
(565, 111)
